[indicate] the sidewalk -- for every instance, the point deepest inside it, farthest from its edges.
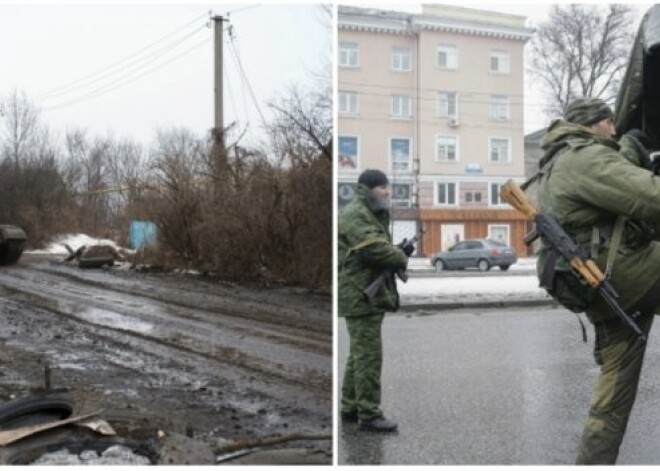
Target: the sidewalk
(481, 290)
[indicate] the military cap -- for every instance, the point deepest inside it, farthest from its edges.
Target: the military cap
(587, 111)
(373, 178)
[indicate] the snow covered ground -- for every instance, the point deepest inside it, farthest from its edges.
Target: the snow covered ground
(75, 241)
(523, 285)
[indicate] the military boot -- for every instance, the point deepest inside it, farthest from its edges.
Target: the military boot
(377, 424)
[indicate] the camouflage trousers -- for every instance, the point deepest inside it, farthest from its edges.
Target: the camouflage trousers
(620, 353)
(361, 387)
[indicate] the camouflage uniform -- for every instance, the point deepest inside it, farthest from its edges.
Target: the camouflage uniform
(591, 182)
(365, 250)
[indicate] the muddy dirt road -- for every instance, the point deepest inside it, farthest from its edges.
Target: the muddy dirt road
(209, 360)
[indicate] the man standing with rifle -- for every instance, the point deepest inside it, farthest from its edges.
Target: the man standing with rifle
(365, 252)
(605, 198)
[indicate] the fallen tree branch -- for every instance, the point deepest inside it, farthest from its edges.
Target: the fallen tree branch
(260, 442)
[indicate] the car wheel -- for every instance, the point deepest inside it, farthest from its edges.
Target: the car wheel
(483, 265)
(439, 265)
(504, 267)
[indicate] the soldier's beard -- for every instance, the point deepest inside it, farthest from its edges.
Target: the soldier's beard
(377, 204)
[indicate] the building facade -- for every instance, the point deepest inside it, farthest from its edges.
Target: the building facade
(436, 101)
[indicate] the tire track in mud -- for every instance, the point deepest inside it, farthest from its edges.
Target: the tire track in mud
(311, 321)
(260, 347)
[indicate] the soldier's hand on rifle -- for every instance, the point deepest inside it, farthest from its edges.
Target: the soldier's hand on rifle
(407, 248)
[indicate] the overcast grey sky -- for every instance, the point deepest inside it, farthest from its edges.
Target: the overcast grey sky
(139, 67)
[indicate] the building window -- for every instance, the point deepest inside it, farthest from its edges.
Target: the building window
(348, 102)
(348, 153)
(401, 59)
(499, 62)
(400, 154)
(401, 195)
(495, 199)
(499, 150)
(348, 55)
(446, 148)
(446, 194)
(499, 107)
(499, 233)
(447, 56)
(345, 193)
(401, 107)
(447, 105)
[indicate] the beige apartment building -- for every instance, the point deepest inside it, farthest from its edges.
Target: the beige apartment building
(436, 101)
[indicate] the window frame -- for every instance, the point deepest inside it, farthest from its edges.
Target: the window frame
(391, 154)
(349, 50)
(451, 52)
(456, 148)
(357, 151)
(436, 194)
(402, 53)
(491, 148)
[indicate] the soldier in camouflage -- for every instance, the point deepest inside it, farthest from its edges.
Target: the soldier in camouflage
(365, 250)
(588, 182)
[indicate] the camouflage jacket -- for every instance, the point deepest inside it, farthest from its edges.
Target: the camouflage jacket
(590, 183)
(365, 250)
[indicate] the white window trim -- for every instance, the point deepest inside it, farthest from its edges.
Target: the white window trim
(508, 109)
(407, 117)
(503, 204)
(395, 69)
(437, 105)
(498, 53)
(446, 46)
(458, 153)
(357, 104)
(410, 194)
(508, 232)
(436, 193)
(357, 157)
(490, 149)
(410, 150)
(357, 52)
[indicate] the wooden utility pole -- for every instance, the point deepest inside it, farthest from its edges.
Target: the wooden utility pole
(218, 133)
(217, 84)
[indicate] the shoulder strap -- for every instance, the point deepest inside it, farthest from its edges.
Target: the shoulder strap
(548, 160)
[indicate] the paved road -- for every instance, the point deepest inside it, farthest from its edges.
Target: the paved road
(493, 387)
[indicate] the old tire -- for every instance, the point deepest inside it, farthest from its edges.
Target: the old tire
(483, 265)
(34, 410)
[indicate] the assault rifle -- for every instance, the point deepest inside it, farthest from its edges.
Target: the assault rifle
(371, 290)
(584, 268)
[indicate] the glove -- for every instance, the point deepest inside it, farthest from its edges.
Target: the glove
(655, 164)
(408, 249)
(641, 136)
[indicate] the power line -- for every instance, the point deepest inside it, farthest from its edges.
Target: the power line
(245, 79)
(129, 70)
(68, 85)
(103, 92)
(238, 10)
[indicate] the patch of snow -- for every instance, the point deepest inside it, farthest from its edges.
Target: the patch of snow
(116, 454)
(75, 241)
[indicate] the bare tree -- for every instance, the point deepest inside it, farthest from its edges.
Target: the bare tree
(21, 131)
(582, 50)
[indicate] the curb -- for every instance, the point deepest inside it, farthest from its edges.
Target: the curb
(449, 306)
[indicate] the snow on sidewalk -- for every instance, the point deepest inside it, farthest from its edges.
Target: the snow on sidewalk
(433, 289)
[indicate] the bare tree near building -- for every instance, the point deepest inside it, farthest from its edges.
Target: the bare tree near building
(582, 50)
